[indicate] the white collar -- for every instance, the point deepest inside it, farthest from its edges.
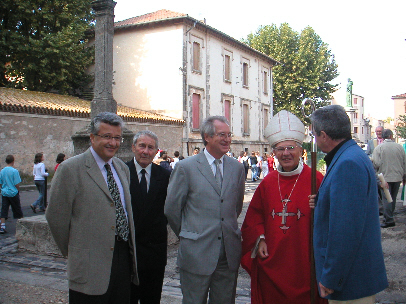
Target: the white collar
(211, 158)
(298, 170)
(100, 162)
(138, 168)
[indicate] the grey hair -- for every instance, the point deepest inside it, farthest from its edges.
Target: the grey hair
(333, 120)
(105, 117)
(387, 133)
(146, 133)
(208, 128)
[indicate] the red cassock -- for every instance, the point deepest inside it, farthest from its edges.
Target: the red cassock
(283, 277)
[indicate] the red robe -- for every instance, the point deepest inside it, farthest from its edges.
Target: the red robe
(283, 277)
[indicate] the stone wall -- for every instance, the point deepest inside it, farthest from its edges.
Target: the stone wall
(24, 135)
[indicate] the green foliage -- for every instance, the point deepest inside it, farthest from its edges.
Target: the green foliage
(307, 68)
(401, 127)
(43, 44)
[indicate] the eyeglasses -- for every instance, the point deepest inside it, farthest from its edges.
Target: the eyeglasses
(224, 135)
(109, 137)
(282, 149)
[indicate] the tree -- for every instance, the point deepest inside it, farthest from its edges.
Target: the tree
(43, 44)
(307, 65)
(401, 126)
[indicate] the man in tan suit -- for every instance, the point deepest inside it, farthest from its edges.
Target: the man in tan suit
(91, 220)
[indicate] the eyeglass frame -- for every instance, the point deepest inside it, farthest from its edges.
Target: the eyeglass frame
(224, 135)
(285, 148)
(109, 137)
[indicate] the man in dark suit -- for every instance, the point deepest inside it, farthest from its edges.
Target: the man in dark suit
(148, 193)
(90, 218)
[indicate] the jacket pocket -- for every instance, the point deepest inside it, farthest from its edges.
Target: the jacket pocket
(78, 264)
(189, 235)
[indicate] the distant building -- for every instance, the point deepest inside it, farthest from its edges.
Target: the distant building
(172, 64)
(399, 105)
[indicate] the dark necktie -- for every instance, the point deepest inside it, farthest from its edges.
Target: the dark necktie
(218, 176)
(143, 184)
(121, 220)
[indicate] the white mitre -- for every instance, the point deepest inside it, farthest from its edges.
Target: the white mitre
(284, 126)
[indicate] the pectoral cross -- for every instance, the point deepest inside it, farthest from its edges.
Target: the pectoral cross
(284, 214)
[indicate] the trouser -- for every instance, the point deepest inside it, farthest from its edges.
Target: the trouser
(119, 288)
(389, 208)
(150, 289)
(366, 300)
(254, 172)
(220, 285)
(15, 204)
(41, 189)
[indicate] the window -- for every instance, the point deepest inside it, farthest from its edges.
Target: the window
(195, 111)
(245, 117)
(265, 81)
(355, 101)
(227, 109)
(355, 129)
(355, 117)
(196, 56)
(266, 117)
(245, 74)
(227, 68)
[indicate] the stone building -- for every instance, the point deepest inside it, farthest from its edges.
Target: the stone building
(360, 124)
(172, 64)
(32, 122)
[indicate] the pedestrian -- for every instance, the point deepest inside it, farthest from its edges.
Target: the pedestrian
(264, 165)
(253, 161)
(373, 143)
(148, 188)
(175, 159)
(91, 219)
(205, 197)
(389, 158)
(259, 164)
(10, 186)
(243, 158)
(59, 159)
(165, 163)
(40, 175)
(347, 236)
(276, 229)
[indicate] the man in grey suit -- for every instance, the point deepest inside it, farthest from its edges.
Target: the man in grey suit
(204, 199)
(90, 217)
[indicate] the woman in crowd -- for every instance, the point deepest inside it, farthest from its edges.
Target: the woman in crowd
(39, 179)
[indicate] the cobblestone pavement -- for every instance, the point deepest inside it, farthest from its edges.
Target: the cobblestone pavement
(29, 278)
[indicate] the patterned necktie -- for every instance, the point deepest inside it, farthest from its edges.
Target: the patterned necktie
(143, 184)
(121, 220)
(218, 176)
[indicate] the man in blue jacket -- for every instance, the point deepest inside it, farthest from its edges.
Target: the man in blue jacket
(347, 234)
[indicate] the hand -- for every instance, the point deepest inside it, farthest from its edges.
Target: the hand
(312, 202)
(384, 186)
(262, 249)
(324, 291)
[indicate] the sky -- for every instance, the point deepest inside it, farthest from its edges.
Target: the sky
(367, 38)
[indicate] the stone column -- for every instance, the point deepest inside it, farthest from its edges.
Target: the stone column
(103, 100)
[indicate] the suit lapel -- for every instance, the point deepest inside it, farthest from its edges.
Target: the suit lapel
(95, 174)
(204, 168)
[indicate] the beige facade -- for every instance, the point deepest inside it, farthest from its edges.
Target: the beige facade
(400, 105)
(172, 64)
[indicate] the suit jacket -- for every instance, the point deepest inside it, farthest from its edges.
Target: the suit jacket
(150, 223)
(200, 213)
(372, 144)
(82, 217)
(347, 233)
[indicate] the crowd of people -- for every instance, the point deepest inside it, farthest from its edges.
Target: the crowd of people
(109, 218)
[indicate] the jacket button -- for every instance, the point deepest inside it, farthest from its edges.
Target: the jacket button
(219, 237)
(112, 204)
(112, 227)
(112, 248)
(222, 218)
(222, 200)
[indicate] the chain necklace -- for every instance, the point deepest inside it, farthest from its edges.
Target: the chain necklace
(286, 200)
